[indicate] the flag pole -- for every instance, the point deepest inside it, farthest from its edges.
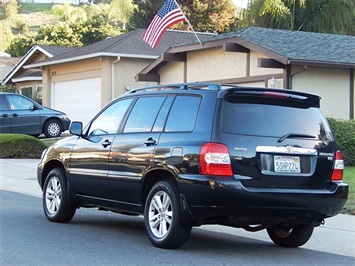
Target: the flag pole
(189, 24)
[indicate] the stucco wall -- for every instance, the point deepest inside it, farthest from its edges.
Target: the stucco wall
(219, 66)
(125, 70)
(173, 72)
(212, 64)
(329, 83)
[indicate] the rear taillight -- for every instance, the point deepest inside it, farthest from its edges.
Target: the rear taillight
(215, 160)
(338, 167)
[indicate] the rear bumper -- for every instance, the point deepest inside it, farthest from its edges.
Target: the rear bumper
(208, 198)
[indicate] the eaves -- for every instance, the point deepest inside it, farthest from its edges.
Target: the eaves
(23, 61)
(15, 80)
(84, 57)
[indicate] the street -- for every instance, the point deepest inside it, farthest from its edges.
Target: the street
(103, 238)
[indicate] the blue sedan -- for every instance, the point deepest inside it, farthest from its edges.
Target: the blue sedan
(19, 114)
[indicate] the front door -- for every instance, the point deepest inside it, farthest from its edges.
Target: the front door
(5, 118)
(25, 118)
(88, 165)
(132, 152)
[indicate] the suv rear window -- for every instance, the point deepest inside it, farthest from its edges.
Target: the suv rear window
(183, 114)
(273, 118)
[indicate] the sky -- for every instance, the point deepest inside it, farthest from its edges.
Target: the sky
(241, 3)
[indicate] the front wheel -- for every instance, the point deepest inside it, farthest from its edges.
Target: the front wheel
(52, 128)
(290, 236)
(57, 203)
(162, 217)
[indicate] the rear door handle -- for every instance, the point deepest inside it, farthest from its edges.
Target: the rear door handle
(106, 143)
(150, 142)
(14, 115)
(5, 115)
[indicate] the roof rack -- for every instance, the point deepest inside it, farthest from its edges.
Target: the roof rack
(181, 86)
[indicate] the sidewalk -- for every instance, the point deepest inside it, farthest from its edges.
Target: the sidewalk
(336, 236)
(20, 175)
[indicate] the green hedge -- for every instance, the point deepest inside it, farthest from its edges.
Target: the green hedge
(20, 146)
(344, 132)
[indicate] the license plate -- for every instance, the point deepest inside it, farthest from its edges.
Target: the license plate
(287, 164)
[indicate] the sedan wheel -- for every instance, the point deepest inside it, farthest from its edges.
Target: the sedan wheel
(162, 217)
(52, 128)
(57, 204)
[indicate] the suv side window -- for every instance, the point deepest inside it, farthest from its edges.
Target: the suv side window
(109, 120)
(143, 114)
(183, 114)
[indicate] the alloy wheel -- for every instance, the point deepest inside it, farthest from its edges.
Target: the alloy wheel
(160, 214)
(53, 196)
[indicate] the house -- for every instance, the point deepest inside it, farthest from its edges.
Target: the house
(313, 62)
(6, 64)
(80, 82)
(29, 81)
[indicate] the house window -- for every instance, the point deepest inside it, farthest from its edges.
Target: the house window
(26, 91)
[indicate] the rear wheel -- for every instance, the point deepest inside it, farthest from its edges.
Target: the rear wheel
(57, 204)
(162, 217)
(290, 236)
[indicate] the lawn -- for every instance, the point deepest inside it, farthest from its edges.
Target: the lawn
(34, 8)
(349, 178)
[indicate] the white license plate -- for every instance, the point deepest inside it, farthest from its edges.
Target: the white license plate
(287, 164)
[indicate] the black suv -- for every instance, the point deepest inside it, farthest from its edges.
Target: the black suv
(190, 154)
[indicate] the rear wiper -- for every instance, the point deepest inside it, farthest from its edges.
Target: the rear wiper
(295, 135)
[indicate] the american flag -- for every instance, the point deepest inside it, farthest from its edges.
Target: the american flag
(169, 14)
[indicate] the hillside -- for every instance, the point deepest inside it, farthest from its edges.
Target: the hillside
(36, 15)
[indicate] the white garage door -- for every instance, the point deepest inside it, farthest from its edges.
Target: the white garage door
(79, 99)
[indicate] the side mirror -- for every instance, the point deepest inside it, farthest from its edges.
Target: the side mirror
(76, 128)
(33, 108)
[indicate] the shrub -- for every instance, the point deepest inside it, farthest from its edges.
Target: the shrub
(344, 133)
(20, 146)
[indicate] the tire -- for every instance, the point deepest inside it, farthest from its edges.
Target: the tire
(52, 128)
(162, 217)
(288, 236)
(57, 205)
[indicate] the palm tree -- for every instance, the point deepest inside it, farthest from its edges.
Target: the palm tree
(307, 15)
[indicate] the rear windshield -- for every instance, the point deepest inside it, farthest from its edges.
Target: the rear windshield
(274, 118)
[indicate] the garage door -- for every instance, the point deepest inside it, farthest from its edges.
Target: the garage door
(79, 99)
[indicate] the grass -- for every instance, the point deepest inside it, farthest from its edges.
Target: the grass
(35, 8)
(349, 178)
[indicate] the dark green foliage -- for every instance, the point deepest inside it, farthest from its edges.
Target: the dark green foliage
(344, 132)
(20, 45)
(144, 12)
(327, 16)
(95, 30)
(204, 15)
(20, 146)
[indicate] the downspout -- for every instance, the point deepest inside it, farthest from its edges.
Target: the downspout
(352, 73)
(113, 77)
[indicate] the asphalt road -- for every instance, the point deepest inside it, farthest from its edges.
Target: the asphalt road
(104, 238)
